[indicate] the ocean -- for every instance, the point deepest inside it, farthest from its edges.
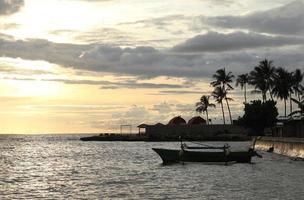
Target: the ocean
(63, 167)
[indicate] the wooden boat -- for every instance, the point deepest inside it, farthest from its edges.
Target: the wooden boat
(188, 155)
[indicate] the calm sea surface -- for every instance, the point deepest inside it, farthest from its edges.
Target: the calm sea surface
(62, 167)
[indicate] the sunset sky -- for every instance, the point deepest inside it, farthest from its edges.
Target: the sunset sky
(87, 66)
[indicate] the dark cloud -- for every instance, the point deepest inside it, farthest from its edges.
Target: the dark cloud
(287, 19)
(130, 84)
(8, 7)
(142, 61)
(145, 61)
(216, 42)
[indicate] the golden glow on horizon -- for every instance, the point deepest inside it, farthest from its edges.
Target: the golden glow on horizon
(36, 88)
(42, 97)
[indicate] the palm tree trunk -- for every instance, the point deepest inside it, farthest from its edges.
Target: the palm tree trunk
(229, 110)
(264, 96)
(207, 116)
(290, 103)
(223, 113)
(285, 106)
(270, 95)
(245, 95)
(269, 87)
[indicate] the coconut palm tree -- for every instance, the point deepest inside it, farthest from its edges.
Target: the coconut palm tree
(262, 78)
(297, 80)
(243, 80)
(282, 85)
(297, 87)
(219, 94)
(300, 104)
(203, 105)
(224, 80)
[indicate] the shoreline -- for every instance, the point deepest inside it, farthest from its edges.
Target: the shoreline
(292, 147)
(145, 138)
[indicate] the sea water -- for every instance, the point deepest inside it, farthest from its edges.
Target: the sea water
(63, 167)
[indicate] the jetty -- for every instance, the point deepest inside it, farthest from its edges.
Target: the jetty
(115, 137)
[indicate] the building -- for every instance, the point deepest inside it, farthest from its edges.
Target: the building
(289, 127)
(195, 129)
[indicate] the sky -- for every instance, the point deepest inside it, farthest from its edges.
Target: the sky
(89, 66)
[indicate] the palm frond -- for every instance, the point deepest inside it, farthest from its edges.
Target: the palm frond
(256, 92)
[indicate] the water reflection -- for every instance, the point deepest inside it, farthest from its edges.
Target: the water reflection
(61, 167)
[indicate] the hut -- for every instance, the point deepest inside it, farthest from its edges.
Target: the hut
(142, 128)
(177, 121)
(197, 120)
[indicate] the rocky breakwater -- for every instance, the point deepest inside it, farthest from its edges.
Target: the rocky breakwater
(115, 137)
(293, 147)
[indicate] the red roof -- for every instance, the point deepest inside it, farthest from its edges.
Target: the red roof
(177, 121)
(196, 121)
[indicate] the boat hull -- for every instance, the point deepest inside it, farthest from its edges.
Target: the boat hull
(171, 156)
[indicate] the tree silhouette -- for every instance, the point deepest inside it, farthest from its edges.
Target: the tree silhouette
(262, 78)
(243, 80)
(282, 85)
(259, 115)
(223, 79)
(219, 94)
(297, 78)
(300, 104)
(203, 105)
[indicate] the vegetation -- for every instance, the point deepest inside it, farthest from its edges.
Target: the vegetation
(243, 80)
(203, 105)
(259, 115)
(300, 104)
(223, 80)
(282, 86)
(273, 82)
(262, 78)
(219, 95)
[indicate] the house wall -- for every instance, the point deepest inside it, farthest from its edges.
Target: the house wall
(293, 128)
(193, 132)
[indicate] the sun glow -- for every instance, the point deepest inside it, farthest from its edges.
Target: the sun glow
(36, 88)
(26, 64)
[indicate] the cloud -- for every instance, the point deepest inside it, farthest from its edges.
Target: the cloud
(217, 42)
(142, 61)
(74, 108)
(287, 19)
(179, 92)
(129, 84)
(8, 70)
(163, 108)
(6, 26)
(146, 61)
(97, 35)
(8, 7)
(14, 99)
